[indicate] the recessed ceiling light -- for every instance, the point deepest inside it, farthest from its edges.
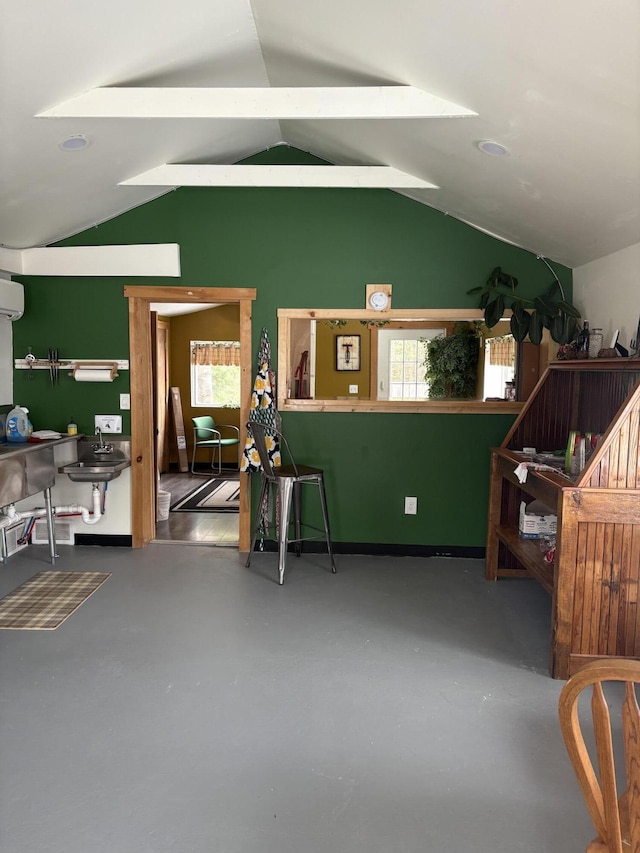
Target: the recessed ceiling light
(74, 143)
(494, 149)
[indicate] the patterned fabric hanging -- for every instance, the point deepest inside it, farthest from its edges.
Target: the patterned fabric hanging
(502, 351)
(263, 408)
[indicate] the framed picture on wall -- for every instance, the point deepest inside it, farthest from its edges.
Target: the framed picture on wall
(347, 352)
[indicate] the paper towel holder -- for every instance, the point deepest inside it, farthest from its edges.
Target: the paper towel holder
(102, 366)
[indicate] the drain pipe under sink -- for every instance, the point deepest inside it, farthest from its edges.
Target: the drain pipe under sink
(88, 517)
(93, 516)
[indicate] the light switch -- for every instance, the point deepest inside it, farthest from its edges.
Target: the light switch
(125, 402)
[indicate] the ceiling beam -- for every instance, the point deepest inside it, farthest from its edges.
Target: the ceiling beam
(149, 259)
(378, 177)
(11, 260)
(355, 102)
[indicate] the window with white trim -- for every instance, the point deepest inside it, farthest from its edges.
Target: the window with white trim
(402, 354)
(215, 374)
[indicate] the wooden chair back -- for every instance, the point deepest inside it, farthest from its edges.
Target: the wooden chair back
(616, 818)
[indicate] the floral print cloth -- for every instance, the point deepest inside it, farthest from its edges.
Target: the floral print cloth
(263, 409)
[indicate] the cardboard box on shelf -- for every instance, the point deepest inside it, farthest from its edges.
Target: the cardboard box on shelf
(536, 520)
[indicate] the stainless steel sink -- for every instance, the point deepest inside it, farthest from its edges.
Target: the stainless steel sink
(94, 470)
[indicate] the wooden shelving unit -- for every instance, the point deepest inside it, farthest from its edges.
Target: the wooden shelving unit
(594, 581)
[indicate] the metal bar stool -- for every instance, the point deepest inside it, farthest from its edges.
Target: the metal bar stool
(288, 481)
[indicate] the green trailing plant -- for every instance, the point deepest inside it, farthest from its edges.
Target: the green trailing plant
(452, 362)
(338, 324)
(529, 316)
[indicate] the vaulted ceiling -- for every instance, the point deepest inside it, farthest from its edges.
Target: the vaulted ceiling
(556, 83)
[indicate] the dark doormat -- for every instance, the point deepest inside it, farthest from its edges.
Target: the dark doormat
(212, 496)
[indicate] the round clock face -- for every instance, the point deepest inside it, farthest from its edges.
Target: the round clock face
(378, 300)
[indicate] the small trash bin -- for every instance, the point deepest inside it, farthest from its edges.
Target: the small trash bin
(164, 503)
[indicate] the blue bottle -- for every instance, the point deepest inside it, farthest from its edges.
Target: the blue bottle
(17, 427)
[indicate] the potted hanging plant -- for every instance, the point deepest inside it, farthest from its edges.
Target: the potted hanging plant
(452, 362)
(530, 316)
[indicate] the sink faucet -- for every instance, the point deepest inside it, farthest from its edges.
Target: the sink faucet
(102, 447)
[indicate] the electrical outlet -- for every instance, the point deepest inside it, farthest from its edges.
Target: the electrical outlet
(411, 506)
(353, 389)
(125, 402)
(108, 423)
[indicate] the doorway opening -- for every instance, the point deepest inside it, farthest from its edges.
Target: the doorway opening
(144, 450)
(197, 372)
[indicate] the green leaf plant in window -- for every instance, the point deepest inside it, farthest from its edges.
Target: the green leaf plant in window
(452, 362)
(529, 316)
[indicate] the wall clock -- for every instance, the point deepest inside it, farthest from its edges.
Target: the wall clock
(378, 300)
(378, 297)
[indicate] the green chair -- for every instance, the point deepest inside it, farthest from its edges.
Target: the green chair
(206, 433)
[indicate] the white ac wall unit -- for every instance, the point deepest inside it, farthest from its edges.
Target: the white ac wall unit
(11, 299)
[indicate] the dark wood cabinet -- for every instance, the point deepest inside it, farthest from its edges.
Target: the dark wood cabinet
(593, 582)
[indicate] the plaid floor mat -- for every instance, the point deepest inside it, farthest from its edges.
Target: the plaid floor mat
(47, 599)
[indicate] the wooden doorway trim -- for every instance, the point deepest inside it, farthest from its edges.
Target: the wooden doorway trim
(161, 391)
(143, 474)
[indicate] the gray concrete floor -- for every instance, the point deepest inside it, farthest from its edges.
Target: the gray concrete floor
(194, 706)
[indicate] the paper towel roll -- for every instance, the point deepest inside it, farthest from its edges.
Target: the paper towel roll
(93, 374)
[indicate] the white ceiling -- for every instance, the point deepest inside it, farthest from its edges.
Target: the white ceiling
(556, 81)
(176, 309)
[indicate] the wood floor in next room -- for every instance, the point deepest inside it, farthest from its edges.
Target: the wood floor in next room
(198, 528)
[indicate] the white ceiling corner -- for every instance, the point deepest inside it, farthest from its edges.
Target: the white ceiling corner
(557, 83)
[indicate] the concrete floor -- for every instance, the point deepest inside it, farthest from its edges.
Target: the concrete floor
(194, 706)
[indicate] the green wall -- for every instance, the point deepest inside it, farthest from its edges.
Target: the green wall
(302, 248)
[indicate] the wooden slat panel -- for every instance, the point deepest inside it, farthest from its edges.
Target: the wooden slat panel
(606, 505)
(623, 454)
(595, 569)
(564, 590)
(600, 599)
(614, 463)
(600, 476)
(610, 433)
(619, 456)
(626, 580)
(583, 587)
(609, 623)
(632, 583)
(633, 462)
